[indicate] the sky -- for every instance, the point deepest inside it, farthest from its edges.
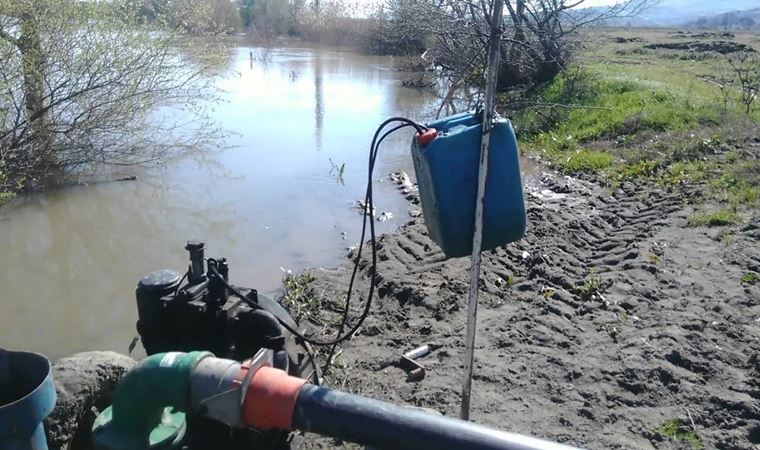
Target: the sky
(586, 3)
(589, 3)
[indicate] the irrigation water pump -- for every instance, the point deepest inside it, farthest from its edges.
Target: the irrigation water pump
(202, 315)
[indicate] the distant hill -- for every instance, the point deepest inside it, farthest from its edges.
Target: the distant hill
(704, 13)
(741, 20)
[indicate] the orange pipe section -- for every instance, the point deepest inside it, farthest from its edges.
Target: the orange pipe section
(270, 399)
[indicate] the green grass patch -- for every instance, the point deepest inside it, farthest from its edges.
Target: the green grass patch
(591, 105)
(652, 116)
(591, 286)
(300, 299)
(729, 180)
(685, 171)
(738, 181)
(750, 278)
(689, 150)
(641, 169)
(674, 429)
(735, 191)
(715, 219)
(610, 106)
(727, 237)
(745, 195)
(584, 161)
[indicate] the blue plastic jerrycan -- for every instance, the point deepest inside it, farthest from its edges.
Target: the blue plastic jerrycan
(27, 396)
(447, 175)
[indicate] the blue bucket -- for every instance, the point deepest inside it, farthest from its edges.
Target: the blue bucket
(447, 175)
(27, 396)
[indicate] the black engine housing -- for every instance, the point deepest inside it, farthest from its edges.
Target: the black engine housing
(203, 315)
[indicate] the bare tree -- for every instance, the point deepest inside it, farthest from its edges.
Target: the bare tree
(726, 83)
(538, 37)
(395, 29)
(544, 33)
(746, 68)
(85, 83)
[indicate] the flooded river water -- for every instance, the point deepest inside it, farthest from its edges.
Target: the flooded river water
(72, 257)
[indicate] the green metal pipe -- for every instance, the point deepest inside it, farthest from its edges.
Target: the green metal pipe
(148, 404)
(159, 381)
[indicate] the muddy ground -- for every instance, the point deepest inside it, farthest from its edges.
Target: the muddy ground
(610, 318)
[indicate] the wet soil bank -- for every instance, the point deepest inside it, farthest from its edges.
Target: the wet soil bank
(609, 319)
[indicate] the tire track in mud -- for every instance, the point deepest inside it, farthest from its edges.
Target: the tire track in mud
(606, 320)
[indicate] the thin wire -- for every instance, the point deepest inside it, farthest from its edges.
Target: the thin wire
(179, 285)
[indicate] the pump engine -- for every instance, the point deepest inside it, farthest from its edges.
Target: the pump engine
(202, 315)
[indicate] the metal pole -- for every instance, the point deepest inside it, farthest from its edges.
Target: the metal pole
(488, 118)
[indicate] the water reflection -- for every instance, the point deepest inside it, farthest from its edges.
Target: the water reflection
(319, 104)
(72, 257)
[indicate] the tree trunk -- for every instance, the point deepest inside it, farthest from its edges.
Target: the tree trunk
(519, 34)
(512, 71)
(33, 66)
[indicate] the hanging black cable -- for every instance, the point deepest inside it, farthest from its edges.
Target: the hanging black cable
(368, 208)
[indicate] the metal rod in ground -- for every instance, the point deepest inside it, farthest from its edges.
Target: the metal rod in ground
(488, 118)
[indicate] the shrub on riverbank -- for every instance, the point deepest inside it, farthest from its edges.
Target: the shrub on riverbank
(330, 29)
(395, 30)
(198, 17)
(6, 189)
(79, 86)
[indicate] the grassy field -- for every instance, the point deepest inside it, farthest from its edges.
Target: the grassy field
(629, 112)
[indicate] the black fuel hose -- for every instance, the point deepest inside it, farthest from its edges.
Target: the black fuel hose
(384, 425)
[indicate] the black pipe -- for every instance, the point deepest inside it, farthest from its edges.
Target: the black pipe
(387, 426)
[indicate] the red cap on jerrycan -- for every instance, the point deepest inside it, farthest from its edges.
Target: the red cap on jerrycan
(426, 137)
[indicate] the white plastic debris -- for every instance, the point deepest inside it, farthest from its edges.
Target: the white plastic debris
(365, 208)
